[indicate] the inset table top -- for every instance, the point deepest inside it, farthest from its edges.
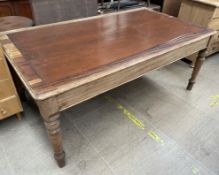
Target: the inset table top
(57, 55)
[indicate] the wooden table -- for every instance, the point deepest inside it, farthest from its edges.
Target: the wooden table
(14, 22)
(67, 63)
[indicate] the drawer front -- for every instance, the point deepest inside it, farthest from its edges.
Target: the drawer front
(6, 89)
(9, 107)
(3, 70)
(213, 48)
(214, 24)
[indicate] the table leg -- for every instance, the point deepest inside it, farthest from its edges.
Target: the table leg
(54, 133)
(198, 64)
(51, 117)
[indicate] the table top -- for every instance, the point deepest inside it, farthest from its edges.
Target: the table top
(58, 57)
(14, 22)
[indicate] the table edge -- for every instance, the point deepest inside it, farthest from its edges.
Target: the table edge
(108, 69)
(74, 20)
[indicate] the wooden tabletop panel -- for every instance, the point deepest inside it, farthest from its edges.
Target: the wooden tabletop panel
(56, 55)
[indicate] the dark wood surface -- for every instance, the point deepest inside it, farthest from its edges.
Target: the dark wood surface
(14, 22)
(15, 8)
(60, 54)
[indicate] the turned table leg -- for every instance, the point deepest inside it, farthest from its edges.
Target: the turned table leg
(198, 64)
(54, 133)
(51, 116)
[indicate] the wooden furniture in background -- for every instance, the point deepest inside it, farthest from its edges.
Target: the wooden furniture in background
(171, 7)
(203, 13)
(15, 8)
(114, 49)
(14, 22)
(50, 11)
(9, 101)
(11, 23)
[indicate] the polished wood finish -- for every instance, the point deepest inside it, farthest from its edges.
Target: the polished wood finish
(9, 100)
(15, 8)
(14, 22)
(64, 64)
(67, 41)
(204, 13)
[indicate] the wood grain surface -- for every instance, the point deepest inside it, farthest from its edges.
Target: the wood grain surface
(54, 56)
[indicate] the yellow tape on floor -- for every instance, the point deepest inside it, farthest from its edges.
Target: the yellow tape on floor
(215, 100)
(125, 111)
(155, 137)
(195, 170)
(134, 119)
(140, 124)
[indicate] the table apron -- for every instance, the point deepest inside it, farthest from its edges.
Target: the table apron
(101, 85)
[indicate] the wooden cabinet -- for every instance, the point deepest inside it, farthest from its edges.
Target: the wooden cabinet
(15, 8)
(22, 8)
(6, 8)
(9, 101)
(204, 13)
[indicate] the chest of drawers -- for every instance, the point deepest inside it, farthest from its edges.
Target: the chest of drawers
(204, 13)
(9, 101)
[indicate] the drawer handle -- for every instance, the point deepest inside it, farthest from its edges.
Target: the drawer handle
(3, 112)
